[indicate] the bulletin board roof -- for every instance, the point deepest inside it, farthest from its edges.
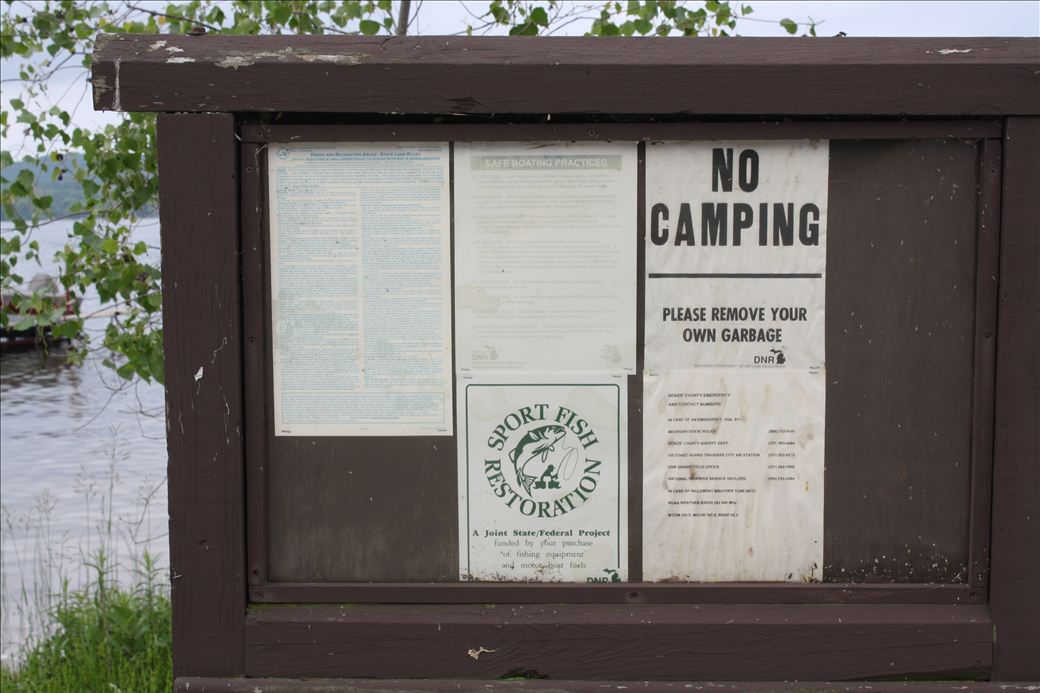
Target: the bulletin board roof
(540, 75)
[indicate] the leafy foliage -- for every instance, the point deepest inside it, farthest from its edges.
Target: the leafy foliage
(114, 166)
(664, 17)
(63, 191)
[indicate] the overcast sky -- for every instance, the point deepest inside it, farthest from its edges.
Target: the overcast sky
(855, 18)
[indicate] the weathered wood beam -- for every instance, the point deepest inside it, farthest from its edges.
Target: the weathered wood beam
(517, 75)
(607, 642)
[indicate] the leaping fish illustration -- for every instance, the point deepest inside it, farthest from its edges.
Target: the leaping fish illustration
(530, 456)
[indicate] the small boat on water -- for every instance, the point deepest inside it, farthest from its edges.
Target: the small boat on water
(19, 335)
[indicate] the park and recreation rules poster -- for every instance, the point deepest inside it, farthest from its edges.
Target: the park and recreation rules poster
(360, 260)
(734, 381)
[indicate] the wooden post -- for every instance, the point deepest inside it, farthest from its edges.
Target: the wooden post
(198, 202)
(1015, 586)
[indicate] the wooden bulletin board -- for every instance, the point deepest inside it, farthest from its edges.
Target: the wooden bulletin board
(326, 557)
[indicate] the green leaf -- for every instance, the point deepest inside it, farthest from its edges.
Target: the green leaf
(9, 246)
(499, 13)
(525, 29)
(67, 329)
(279, 14)
(369, 27)
(246, 25)
(25, 323)
(790, 26)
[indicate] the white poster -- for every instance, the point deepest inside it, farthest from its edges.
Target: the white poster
(734, 393)
(360, 289)
(733, 475)
(545, 260)
(543, 478)
(735, 254)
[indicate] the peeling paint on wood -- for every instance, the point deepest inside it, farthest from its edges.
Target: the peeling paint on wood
(479, 75)
(287, 54)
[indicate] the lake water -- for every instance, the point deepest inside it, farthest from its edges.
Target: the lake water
(82, 467)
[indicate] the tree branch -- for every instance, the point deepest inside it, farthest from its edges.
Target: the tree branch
(402, 17)
(154, 13)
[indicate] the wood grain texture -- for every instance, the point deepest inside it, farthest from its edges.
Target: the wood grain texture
(198, 195)
(362, 509)
(675, 642)
(1015, 548)
(760, 129)
(986, 284)
(270, 685)
(901, 265)
(627, 593)
(256, 298)
(484, 75)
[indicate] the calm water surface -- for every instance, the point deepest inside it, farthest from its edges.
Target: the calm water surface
(82, 466)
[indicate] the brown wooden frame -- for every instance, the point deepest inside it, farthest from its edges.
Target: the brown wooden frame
(851, 631)
(531, 75)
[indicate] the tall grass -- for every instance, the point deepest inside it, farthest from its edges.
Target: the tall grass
(104, 638)
(90, 617)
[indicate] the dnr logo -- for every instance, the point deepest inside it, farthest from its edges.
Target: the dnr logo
(612, 576)
(538, 460)
(775, 357)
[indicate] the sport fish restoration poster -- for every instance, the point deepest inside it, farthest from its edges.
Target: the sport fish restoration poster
(543, 476)
(734, 392)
